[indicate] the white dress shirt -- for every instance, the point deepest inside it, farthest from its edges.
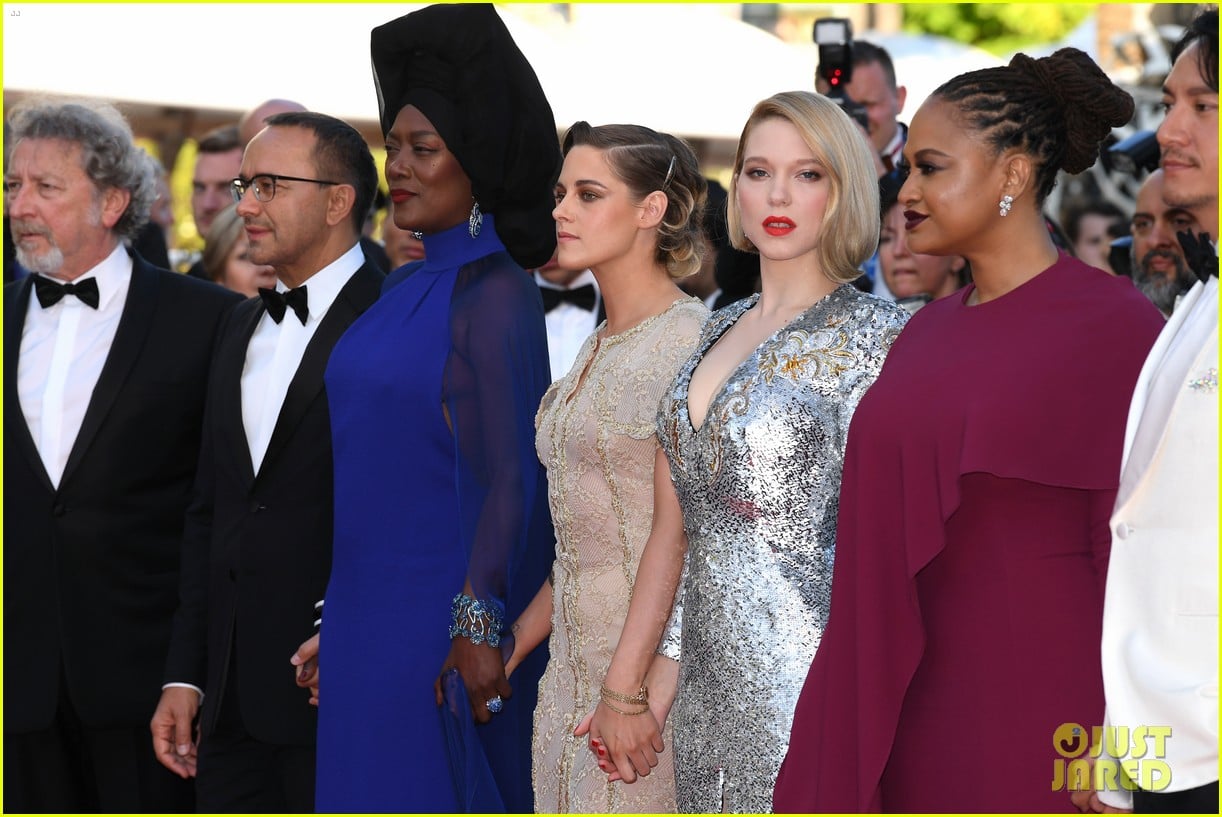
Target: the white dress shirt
(275, 351)
(63, 350)
(568, 326)
(894, 150)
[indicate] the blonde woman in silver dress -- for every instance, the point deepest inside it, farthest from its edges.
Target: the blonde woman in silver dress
(754, 429)
(628, 206)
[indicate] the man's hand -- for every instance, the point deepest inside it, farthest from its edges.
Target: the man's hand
(306, 662)
(173, 731)
(483, 674)
(1088, 802)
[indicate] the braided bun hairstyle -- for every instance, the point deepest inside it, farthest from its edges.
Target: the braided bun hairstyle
(646, 161)
(1057, 109)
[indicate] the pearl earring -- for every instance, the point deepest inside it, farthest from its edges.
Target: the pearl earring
(1003, 206)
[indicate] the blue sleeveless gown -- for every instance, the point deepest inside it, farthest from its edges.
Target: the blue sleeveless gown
(420, 508)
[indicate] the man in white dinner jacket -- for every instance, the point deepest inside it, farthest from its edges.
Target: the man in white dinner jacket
(1160, 623)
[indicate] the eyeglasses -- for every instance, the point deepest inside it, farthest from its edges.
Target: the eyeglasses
(264, 185)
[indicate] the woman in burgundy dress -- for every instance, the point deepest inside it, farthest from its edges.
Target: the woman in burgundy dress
(979, 476)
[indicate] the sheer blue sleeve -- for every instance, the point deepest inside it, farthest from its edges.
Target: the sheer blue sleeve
(495, 377)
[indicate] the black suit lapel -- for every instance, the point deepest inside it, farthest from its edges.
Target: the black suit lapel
(229, 385)
(356, 296)
(133, 329)
(16, 432)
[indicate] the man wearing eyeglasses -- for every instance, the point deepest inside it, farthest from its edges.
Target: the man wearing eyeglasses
(257, 551)
(106, 362)
(1158, 265)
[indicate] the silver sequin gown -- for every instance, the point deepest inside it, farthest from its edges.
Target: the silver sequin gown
(758, 484)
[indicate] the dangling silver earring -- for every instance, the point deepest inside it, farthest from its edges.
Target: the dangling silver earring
(1003, 206)
(476, 222)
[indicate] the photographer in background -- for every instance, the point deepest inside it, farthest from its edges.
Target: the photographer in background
(872, 86)
(860, 77)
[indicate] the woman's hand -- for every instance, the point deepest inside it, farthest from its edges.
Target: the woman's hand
(663, 681)
(626, 746)
(483, 674)
(306, 661)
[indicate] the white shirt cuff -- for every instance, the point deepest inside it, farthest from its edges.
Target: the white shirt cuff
(184, 684)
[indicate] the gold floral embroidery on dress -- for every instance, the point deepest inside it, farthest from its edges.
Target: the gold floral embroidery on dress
(799, 356)
(797, 359)
(671, 428)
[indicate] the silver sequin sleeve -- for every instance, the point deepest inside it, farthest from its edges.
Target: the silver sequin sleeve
(671, 644)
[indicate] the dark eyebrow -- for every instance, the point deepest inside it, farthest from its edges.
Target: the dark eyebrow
(590, 183)
(1199, 89)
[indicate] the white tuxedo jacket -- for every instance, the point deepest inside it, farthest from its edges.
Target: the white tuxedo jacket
(1160, 622)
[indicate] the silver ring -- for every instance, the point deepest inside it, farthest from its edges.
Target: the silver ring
(495, 705)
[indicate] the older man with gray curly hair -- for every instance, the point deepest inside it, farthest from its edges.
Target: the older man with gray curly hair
(106, 363)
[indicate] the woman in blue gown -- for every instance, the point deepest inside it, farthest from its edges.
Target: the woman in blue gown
(442, 531)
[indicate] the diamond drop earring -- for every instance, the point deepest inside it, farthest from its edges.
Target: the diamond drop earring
(476, 221)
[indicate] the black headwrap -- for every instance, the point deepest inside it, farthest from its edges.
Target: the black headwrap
(460, 67)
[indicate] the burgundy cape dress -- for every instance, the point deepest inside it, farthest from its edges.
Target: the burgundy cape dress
(967, 594)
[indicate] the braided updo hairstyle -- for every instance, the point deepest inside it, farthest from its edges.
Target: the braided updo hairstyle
(646, 161)
(1057, 109)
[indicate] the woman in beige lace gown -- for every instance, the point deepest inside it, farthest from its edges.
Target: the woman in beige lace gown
(628, 207)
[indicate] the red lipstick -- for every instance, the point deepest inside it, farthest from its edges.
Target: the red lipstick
(778, 225)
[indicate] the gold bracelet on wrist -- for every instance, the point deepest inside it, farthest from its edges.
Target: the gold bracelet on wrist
(615, 708)
(641, 698)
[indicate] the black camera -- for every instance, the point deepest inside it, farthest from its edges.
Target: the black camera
(1135, 153)
(834, 36)
(1120, 256)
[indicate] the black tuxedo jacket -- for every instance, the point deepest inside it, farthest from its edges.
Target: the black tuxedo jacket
(257, 549)
(91, 568)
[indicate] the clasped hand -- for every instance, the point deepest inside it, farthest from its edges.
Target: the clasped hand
(626, 746)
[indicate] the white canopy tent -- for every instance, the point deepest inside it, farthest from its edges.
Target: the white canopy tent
(686, 69)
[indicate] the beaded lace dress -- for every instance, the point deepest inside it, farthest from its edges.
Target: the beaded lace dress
(597, 438)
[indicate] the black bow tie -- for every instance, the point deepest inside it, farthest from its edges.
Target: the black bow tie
(1199, 255)
(582, 297)
(278, 303)
(52, 292)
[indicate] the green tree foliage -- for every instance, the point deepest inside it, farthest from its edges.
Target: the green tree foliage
(999, 28)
